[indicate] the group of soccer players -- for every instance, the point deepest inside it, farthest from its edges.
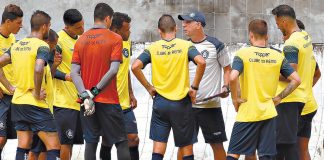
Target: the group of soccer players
(54, 84)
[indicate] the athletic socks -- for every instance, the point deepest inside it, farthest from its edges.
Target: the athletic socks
(0, 153)
(230, 158)
(157, 156)
(90, 151)
(22, 154)
(191, 157)
(123, 150)
(53, 154)
(134, 153)
(105, 152)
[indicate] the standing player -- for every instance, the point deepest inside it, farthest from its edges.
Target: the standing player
(170, 77)
(309, 111)
(38, 149)
(255, 126)
(66, 109)
(97, 56)
(32, 98)
(121, 25)
(208, 114)
(298, 51)
(10, 24)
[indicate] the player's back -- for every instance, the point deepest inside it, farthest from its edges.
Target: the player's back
(23, 57)
(94, 51)
(170, 69)
(258, 81)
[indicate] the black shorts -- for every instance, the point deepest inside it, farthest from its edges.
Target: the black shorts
(66, 121)
(78, 137)
(247, 137)
(37, 145)
(305, 125)
(32, 118)
(130, 121)
(287, 121)
(167, 114)
(107, 121)
(7, 128)
(211, 122)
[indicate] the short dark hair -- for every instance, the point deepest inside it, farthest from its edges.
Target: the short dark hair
(300, 24)
(72, 16)
(38, 19)
(166, 23)
(119, 19)
(52, 36)
(284, 10)
(11, 12)
(258, 27)
(102, 10)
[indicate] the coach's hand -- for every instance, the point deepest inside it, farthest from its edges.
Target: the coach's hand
(192, 94)
(237, 103)
(133, 101)
(276, 100)
(225, 90)
(41, 96)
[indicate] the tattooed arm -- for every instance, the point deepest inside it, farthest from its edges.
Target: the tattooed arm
(293, 84)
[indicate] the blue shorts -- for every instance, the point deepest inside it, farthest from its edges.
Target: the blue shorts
(66, 121)
(130, 121)
(287, 121)
(32, 118)
(305, 125)
(167, 114)
(6, 125)
(247, 137)
(107, 121)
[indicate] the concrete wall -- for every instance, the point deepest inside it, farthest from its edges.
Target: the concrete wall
(226, 19)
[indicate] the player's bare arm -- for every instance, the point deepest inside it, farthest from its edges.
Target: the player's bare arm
(234, 86)
(133, 101)
(136, 69)
(38, 92)
(293, 84)
(201, 65)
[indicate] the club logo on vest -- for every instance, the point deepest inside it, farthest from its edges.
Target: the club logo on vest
(205, 54)
(125, 52)
(2, 126)
(69, 133)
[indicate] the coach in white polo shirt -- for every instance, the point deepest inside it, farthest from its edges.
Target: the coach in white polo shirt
(208, 114)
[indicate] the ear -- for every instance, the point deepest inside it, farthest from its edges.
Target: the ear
(7, 21)
(43, 27)
(160, 32)
(251, 36)
(176, 28)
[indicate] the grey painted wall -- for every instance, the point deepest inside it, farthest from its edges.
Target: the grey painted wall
(226, 19)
